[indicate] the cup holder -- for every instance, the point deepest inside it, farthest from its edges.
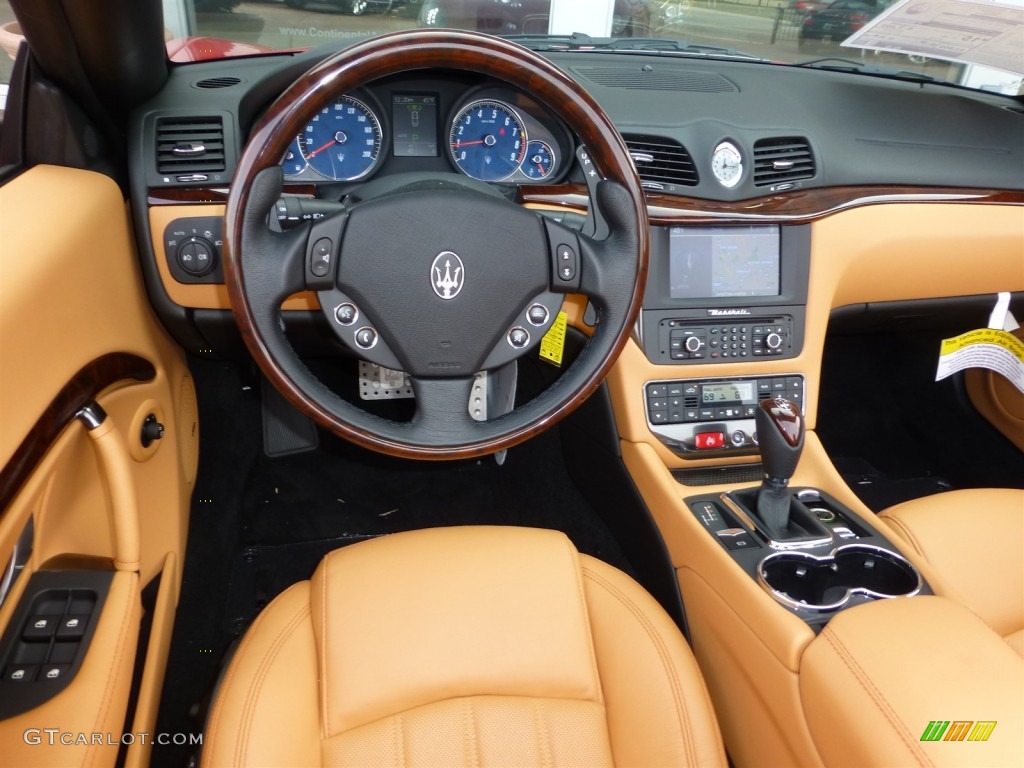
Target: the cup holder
(804, 581)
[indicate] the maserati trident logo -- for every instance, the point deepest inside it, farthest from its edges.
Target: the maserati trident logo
(447, 275)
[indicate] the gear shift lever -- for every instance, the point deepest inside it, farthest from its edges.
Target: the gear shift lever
(780, 433)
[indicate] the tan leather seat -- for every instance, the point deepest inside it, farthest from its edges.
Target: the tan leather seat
(463, 646)
(972, 545)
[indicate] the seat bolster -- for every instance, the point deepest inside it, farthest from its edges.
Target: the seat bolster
(973, 543)
(658, 708)
(266, 711)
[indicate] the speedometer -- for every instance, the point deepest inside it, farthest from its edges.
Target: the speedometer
(342, 142)
(488, 140)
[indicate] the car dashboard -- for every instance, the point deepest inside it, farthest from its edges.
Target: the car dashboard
(734, 157)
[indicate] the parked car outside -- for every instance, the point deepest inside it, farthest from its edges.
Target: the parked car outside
(352, 7)
(807, 7)
(836, 22)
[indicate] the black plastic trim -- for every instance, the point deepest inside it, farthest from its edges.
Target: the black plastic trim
(16, 698)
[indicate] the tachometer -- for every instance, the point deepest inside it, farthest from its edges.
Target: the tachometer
(343, 140)
(488, 140)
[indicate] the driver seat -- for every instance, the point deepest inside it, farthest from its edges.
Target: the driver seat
(463, 646)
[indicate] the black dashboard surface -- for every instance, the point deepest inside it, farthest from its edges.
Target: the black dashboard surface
(855, 130)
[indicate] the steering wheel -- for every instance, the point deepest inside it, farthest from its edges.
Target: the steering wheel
(435, 279)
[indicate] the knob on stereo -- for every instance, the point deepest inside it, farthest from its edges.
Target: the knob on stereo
(773, 341)
(693, 344)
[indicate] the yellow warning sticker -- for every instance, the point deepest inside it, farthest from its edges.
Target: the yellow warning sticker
(989, 348)
(552, 346)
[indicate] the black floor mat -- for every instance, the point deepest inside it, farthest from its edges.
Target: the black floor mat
(895, 433)
(879, 491)
(258, 524)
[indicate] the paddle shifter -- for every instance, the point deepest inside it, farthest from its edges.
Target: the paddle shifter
(780, 434)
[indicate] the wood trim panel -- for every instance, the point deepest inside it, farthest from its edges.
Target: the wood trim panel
(791, 207)
(83, 388)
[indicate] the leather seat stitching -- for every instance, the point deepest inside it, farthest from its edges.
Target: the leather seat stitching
(248, 709)
(663, 655)
(398, 731)
(472, 755)
(582, 597)
(218, 707)
(882, 704)
(543, 736)
(325, 716)
(111, 676)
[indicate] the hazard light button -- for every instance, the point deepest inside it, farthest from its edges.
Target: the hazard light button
(708, 440)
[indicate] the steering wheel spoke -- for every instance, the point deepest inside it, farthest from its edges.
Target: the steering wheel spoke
(442, 409)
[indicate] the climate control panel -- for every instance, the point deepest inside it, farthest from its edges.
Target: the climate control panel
(707, 417)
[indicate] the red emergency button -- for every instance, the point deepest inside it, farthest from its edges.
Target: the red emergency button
(707, 440)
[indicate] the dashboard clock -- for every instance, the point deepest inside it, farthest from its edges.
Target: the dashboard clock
(727, 164)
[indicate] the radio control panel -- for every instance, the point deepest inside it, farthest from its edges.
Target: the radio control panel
(682, 340)
(715, 416)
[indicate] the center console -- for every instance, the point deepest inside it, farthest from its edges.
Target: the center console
(808, 551)
(721, 295)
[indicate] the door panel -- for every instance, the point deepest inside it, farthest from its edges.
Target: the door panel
(71, 293)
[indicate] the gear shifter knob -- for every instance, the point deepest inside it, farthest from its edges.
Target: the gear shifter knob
(780, 436)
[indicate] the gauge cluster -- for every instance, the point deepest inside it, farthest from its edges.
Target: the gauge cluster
(492, 134)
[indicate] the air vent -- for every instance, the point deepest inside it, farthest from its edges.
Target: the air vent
(217, 82)
(187, 145)
(783, 160)
(661, 162)
(657, 77)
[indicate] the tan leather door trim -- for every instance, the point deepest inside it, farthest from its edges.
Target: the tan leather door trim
(83, 388)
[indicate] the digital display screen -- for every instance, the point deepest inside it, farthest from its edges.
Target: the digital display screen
(731, 393)
(721, 262)
(414, 117)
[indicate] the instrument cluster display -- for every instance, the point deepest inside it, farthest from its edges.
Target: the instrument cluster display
(493, 134)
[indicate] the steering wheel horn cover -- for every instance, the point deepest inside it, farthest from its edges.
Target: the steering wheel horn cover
(422, 291)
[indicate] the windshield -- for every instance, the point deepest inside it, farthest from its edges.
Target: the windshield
(976, 43)
(951, 40)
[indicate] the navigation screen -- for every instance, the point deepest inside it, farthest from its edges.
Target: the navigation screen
(415, 123)
(718, 262)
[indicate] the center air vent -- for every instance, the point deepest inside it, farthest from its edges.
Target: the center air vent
(657, 77)
(186, 145)
(661, 162)
(782, 160)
